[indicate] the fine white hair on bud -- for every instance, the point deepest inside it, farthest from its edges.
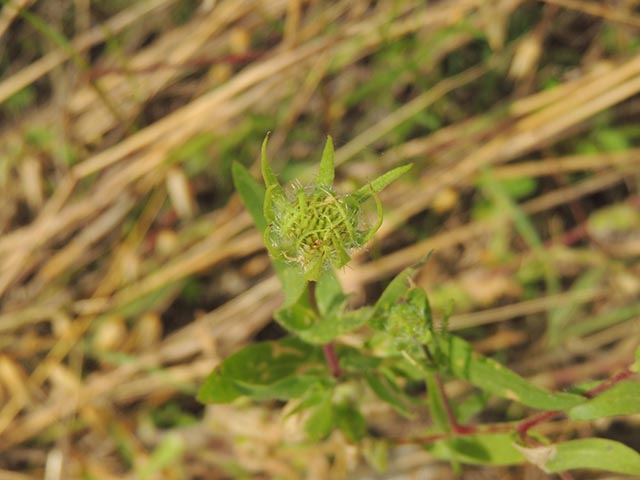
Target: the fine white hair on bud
(314, 227)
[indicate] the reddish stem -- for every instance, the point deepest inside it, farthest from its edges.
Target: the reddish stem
(453, 421)
(531, 422)
(332, 359)
(521, 427)
(606, 385)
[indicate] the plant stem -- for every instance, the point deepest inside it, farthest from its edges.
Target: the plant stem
(330, 355)
(332, 359)
(594, 392)
(522, 427)
(451, 416)
(606, 385)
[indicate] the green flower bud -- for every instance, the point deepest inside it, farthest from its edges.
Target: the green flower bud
(316, 228)
(313, 227)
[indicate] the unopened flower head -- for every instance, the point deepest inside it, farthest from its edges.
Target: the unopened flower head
(316, 228)
(313, 227)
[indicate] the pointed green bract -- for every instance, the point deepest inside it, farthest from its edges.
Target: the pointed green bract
(267, 172)
(327, 169)
(381, 182)
(268, 203)
(379, 219)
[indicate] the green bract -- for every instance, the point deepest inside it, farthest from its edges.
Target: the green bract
(314, 227)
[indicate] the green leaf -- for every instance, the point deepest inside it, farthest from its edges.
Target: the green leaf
(622, 399)
(312, 397)
(284, 369)
(218, 389)
(437, 407)
(320, 422)
(495, 378)
(591, 453)
(327, 169)
(487, 449)
(292, 281)
(387, 391)
(298, 317)
(302, 321)
(357, 360)
(333, 326)
(251, 192)
(329, 294)
(381, 182)
(350, 421)
(395, 291)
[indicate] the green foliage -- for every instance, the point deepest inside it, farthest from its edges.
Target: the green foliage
(321, 421)
(592, 453)
(498, 380)
(622, 399)
(312, 230)
(279, 370)
(489, 449)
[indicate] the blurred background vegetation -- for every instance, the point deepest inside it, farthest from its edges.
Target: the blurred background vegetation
(129, 268)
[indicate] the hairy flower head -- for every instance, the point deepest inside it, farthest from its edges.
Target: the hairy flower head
(316, 228)
(313, 227)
